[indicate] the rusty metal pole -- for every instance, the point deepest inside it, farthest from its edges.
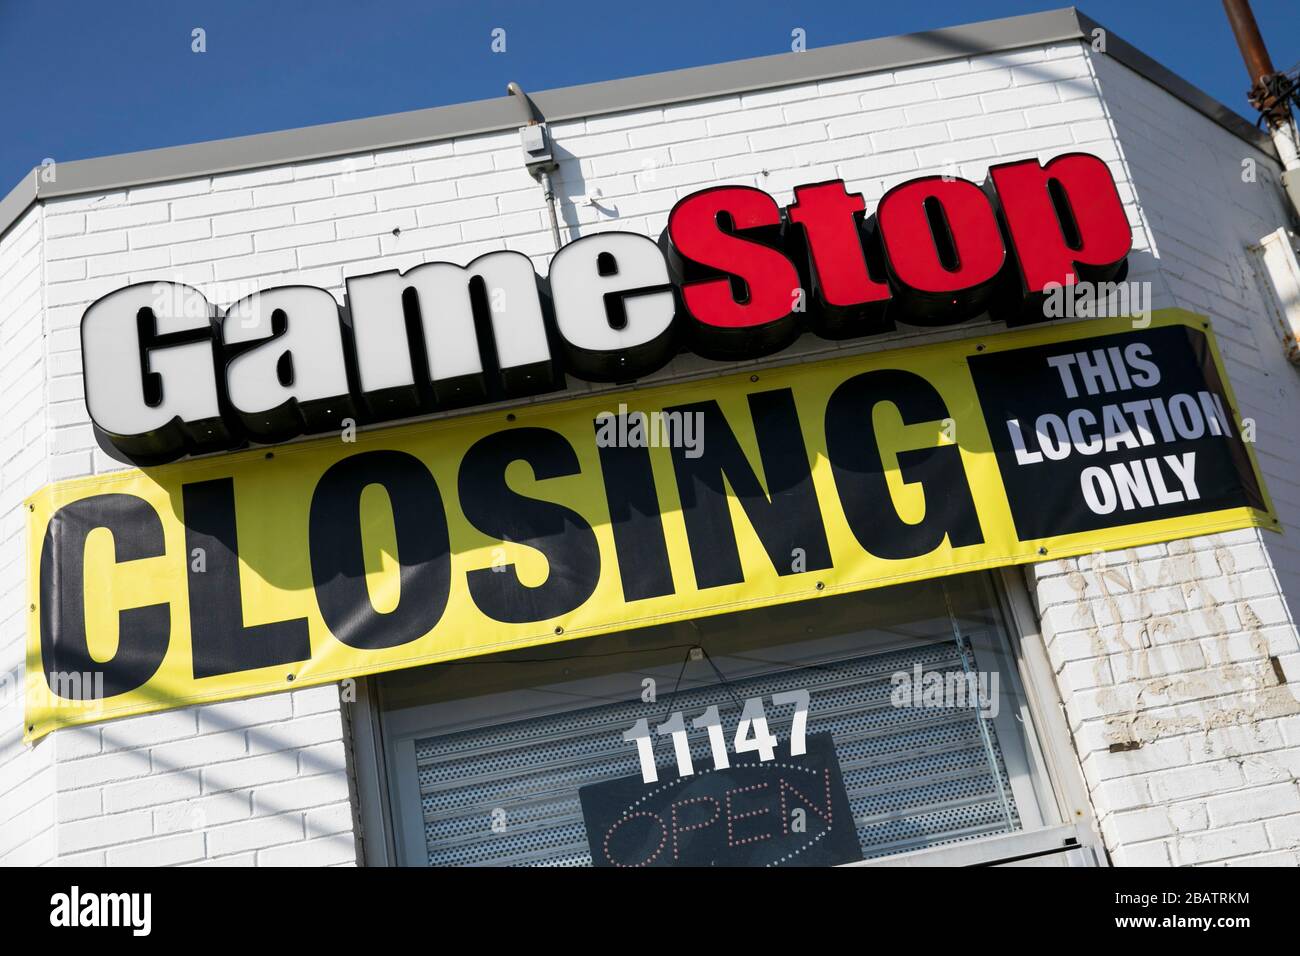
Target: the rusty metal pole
(1249, 39)
(1266, 83)
(1271, 94)
(1258, 62)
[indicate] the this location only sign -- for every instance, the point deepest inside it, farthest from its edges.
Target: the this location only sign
(1113, 429)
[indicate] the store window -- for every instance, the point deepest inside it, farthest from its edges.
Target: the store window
(917, 686)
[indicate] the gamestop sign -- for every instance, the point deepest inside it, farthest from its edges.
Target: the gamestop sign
(733, 276)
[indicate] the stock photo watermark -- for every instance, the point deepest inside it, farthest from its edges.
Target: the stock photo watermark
(655, 429)
(1098, 300)
(923, 689)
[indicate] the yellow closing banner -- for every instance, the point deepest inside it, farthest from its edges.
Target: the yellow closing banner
(273, 569)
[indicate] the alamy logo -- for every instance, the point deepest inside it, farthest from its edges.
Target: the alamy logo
(943, 690)
(673, 429)
(75, 908)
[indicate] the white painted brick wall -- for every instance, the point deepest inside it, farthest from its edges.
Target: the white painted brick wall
(27, 808)
(264, 781)
(247, 781)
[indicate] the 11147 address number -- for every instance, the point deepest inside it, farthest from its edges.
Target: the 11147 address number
(752, 735)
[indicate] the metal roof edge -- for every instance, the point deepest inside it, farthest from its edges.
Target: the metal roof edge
(126, 170)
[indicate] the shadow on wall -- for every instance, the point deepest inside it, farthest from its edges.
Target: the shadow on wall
(573, 194)
(232, 805)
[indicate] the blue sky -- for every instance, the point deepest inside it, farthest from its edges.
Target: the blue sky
(87, 78)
